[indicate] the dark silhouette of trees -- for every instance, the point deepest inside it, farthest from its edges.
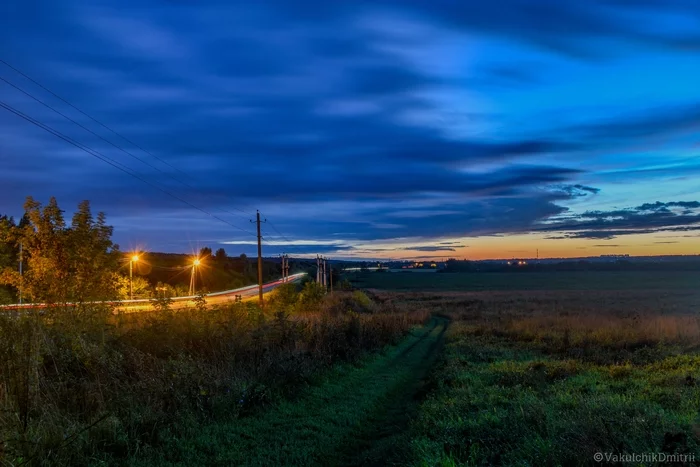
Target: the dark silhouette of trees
(220, 255)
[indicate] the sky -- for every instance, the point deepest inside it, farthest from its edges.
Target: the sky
(382, 129)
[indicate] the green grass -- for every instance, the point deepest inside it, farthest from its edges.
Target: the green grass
(352, 415)
(505, 281)
(83, 387)
(521, 387)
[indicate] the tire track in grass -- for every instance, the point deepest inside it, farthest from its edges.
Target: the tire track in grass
(354, 416)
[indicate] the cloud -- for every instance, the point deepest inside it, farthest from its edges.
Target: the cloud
(643, 219)
(429, 248)
(362, 121)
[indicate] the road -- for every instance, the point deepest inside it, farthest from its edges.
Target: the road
(216, 298)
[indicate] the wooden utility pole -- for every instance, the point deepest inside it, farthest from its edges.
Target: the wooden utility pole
(285, 267)
(331, 276)
(318, 269)
(260, 261)
(282, 259)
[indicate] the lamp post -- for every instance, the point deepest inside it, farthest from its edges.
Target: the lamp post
(133, 259)
(193, 277)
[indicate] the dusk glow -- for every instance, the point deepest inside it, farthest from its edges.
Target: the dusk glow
(365, 129)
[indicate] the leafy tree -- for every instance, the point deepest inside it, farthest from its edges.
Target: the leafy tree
(46, 252)
(8, 257)
(220, 255)
(142, 288)
(92, 256)
(285, 296)
(310, 296)
(75, 263)
(205, 252)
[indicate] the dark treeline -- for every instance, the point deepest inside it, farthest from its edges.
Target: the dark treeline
(215, 273)
(454, 265)
(77, 261)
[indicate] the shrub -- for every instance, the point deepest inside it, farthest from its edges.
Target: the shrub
(86, 387)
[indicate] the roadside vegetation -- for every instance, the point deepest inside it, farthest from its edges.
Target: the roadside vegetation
(81, 386)
(76, 261)
(86, 384)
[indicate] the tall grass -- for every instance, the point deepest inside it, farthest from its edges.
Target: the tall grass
(553, 378)
(82, 386)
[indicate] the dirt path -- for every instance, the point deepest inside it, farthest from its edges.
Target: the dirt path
(356, 416)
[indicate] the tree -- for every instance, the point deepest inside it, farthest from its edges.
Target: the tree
(142, 288)
(8, 257)
(205, 252)
(220, 255)
(284, 297)
(45, 247)
(310, 296)
(62, 263)
(92, 256)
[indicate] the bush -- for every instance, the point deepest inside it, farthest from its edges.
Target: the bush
(86, 387)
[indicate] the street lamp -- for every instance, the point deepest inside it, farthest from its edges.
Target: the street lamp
(133, 259)
(193, 279)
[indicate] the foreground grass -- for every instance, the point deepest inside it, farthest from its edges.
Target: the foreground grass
(79, 387)
(352, 415)
(525, 382)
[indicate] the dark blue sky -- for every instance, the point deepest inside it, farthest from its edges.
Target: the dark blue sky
(365, 129)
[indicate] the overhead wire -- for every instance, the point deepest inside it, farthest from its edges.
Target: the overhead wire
(278, 232)
(20, 72)
(56, 133)
(108, 141)
(112, 162)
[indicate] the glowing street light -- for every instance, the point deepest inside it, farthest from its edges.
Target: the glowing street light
(133, 259)
(193, 277)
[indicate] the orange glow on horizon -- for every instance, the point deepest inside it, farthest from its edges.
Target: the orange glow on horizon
(530, 246)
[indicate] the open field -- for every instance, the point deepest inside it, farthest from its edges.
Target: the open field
(507, 281)
(495, 377)
(553, 377)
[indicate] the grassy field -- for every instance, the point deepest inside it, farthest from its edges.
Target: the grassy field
(554, 377)
(82, 387)
(512, 369)
(352, 415)
(507, 281)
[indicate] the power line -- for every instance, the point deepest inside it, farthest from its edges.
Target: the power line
(280, 233)
(107, 141)
(20, 72)
(111, 162)
(97, 121)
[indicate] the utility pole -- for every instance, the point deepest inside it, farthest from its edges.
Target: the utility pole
(331, 276)
(325, 275)
(318, 270)
(260, 271)
(20, 272)
(285, 267)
